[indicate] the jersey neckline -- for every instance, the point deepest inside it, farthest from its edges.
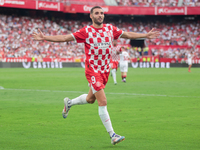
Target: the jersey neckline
(97, 28)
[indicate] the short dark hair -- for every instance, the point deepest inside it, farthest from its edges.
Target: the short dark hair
(91, 11)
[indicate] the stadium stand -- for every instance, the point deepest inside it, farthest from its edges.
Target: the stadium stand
(138, 3)
(86, 2)
(80, 2)
(16, 27)
(194, 3)
(161, 3)
(147, 3)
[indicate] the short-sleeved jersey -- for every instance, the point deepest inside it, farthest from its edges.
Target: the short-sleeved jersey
(114, 55)
(98, 45)
(189, 56)
(124, 57)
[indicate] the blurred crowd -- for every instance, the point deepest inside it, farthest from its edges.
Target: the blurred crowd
(180, 33)
(140, 3)
(80, 2)
(147, 3)
(176, 52)
(194, 3)
(170, 52)
(16, 40)
(161, 3)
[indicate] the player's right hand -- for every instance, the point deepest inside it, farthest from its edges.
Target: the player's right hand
(38, 36)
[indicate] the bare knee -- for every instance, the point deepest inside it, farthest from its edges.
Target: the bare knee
(101, 98)
(90, 100)
(103, 102)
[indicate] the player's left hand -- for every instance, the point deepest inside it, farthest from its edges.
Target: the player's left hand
(38, 36)
(152, 34)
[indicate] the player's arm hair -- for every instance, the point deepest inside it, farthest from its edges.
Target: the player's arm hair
(133, 35)
(59, 38)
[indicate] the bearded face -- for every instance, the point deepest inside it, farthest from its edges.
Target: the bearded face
(98, 21)
(97, 16)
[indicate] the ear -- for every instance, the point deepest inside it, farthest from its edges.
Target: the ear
(90, 16)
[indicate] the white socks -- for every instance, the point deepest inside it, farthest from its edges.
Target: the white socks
(79, 100)
(103, 113)
(105, 118)
(114, 75)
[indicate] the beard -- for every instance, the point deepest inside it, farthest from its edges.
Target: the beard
(97, 22)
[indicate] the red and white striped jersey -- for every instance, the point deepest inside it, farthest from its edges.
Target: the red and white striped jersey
(98, 45)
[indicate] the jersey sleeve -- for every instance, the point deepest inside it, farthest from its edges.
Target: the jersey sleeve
(117, 32)
(80, 35)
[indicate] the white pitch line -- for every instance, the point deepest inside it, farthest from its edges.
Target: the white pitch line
(133, 94)
(152, 95)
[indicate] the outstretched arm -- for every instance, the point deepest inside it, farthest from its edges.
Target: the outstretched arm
(56, 38)
(132, 35)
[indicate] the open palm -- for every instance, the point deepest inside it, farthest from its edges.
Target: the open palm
(38, 36)
(153, 34)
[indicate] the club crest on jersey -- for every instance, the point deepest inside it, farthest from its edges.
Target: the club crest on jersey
(108, 33)
(98, 84)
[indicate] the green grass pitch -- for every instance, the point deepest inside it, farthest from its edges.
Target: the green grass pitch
(157, 109)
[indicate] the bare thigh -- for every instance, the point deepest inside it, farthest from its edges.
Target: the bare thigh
(101, 97)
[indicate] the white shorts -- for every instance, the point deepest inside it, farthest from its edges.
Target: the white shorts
(189, 62)
(123, 67)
